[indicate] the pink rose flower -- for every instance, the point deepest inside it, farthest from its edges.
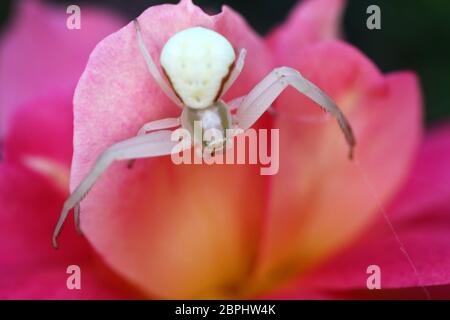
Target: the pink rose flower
(221, 231)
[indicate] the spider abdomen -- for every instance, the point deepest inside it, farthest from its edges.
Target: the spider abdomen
(197, 61)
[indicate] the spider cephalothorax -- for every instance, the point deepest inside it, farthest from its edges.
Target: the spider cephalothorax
(200, 65)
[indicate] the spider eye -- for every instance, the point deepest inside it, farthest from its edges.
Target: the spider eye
(197, 60)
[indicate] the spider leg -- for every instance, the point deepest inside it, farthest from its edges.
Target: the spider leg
(76, 218)
(152, 67)
(153, 126)
(263, 85)
(235, 103)
(145, 146)
(264, 93)
(239, 65)
(159, 125)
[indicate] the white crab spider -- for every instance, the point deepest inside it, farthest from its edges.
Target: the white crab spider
(200, 65)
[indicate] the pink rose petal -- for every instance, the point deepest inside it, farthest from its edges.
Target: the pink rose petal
(29, 266)
(39, 55)
(40, 66)
(310, 22)
(427, 186)
(413, 293)
(44, 134)
(420, 214)
(320, 199)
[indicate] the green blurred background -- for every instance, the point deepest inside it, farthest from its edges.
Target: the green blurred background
(414, 35)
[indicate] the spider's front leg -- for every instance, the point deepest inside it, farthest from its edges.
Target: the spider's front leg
(161, 124)
(144, 146)
(152, 68)
(264, 93)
